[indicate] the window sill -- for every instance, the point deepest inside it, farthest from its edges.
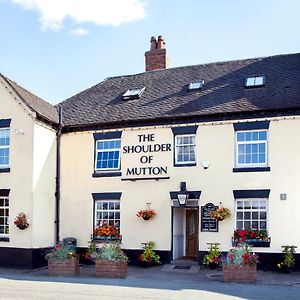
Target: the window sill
(5, 170)
(185, 165)
(107, 174)
(251, 169)
(4, 239)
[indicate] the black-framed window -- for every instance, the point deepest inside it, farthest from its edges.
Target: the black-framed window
(251, 146)
(184, 146)
(4, 216)
(107, 154)
(4, 148)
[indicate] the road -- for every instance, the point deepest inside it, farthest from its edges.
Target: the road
(28, 287)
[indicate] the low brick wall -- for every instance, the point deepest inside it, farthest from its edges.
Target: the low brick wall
(243, 273)
(111, 269)
(69, 267)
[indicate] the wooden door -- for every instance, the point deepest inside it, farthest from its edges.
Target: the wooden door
(192, 217)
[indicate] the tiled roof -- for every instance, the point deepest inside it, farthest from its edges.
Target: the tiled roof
(166, 92)
(38, 105)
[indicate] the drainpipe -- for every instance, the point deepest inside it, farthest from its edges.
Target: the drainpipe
(57, 189)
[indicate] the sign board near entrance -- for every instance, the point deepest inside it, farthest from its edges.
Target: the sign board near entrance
(207, 223)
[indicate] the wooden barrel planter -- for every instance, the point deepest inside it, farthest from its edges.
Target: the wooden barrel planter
(239, 273)
(111, 269)
(69, 267)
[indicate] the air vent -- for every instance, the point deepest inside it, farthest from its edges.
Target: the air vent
(196, 85)
(255, 81)
(133, 94)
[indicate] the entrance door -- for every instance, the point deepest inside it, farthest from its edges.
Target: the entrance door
(192, 217)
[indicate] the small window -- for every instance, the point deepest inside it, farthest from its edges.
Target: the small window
(133, 94)
(197, 85)
(251, 214)
(252, 148)
(4, 147)
(4, 216)
(107, 212)
(185, 149)
(107, 155)
(255, 81)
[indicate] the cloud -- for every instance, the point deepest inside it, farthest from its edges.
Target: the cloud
(100, 12)
(80, 31)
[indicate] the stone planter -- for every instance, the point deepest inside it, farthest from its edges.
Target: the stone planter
(68, 267)
(239, 273)
(111, 269)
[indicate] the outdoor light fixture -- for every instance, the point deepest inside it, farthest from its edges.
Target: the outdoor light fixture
(183, 194)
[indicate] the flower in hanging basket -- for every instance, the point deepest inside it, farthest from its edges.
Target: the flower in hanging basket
(21, 222)
(220, 214)
(146, 214)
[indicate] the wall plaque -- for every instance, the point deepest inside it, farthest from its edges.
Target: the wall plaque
(207, 223)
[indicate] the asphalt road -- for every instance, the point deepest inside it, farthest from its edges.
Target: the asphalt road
(26, 287)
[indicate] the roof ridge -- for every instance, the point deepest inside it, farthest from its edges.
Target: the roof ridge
(204, 64)
(30, 102)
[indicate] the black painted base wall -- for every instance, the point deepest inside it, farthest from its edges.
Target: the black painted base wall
(267, 261)
(133, 255)
(22, 258)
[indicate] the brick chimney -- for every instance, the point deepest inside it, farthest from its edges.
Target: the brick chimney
(157, 57)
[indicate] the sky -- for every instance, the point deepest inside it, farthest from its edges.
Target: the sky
(57, 48)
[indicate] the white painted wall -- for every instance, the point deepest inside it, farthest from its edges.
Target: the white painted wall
(31, 179)
(215, 142)
(44, 173)
(19, 180)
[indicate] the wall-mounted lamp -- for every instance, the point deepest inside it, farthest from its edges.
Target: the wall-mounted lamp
(205, 164)
(183, 194)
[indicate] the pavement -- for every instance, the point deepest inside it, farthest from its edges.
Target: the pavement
(160, 282)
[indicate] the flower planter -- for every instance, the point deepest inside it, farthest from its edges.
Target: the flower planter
(111, 269)
(255, 243)
(22, 227)
(146, 218)
(68, 267)
(239, 273)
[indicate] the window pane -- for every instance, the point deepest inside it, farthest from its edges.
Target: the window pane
(255, 225)
(240, 136)
(246, 215)
(263, 135)
(239, 225)
(247, 225)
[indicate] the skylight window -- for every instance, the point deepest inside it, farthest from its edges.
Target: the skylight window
(255, 81)
(196, 85)
(133, 94)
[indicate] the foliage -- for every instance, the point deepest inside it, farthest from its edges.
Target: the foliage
(107, 251)
(146, 214)
(242, 235)
(149, 254)
(21, 221)
(288, 258)
(213, 256)
(242, 255)
(106, 230)
(61, 252)
(220, 214)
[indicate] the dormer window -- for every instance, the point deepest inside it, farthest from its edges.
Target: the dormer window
(133, 94)
(255, 81)
(196, 85)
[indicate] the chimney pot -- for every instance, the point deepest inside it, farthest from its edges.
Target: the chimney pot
(153, 42)
(157, 57)
(161, 43)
